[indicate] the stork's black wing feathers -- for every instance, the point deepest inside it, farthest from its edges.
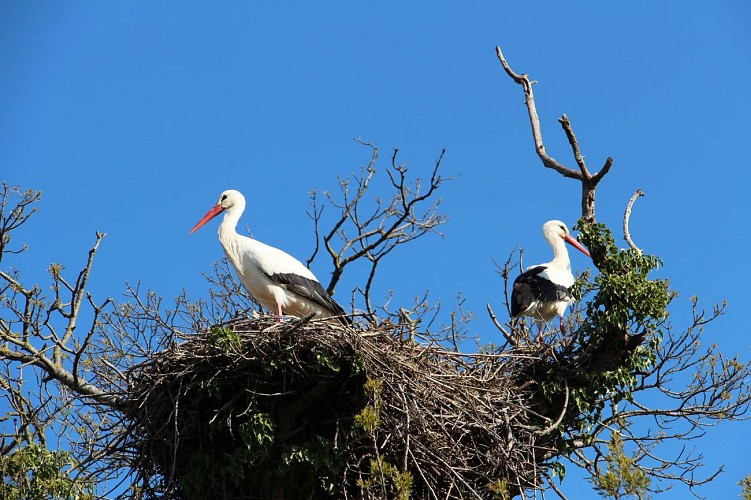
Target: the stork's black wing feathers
(529, 286)
(311, 290)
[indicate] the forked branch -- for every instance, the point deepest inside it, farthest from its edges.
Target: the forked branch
(588, 180)
(369, 228)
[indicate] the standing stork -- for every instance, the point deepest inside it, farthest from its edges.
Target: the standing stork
(278, 281)
(542, 291)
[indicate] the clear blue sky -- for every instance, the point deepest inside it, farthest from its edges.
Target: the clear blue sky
(132, 117)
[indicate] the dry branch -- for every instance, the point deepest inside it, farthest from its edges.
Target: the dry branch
(368, 229)
(627, 216)
(588, 181)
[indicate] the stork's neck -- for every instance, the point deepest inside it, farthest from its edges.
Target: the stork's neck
(227, 229)
(560, 253)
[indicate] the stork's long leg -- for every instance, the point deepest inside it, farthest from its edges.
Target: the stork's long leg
(563, 327)
(278, 312)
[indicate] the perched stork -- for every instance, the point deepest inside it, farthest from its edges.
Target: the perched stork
(278, 281)
(542, 291)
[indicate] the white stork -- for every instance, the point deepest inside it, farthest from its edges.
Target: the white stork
(542, 291)
(278, 281)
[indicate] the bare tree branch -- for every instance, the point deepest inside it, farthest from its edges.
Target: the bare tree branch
(370, 229)
(17, 216)
(627, 216)
(510, 338)
(534, 121)
(588, 181)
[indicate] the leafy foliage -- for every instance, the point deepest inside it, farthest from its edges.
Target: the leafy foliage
(317, 458)
(627, 309)
(500, 488)
(386, 480)
(35, 472)
(624, 308)
(745, 485)
(224, 338)
(621, 479)
(369, 417)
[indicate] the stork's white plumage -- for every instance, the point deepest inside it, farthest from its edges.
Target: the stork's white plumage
(278, 281)
(542, 291)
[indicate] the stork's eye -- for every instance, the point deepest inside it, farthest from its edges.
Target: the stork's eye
(224, 197)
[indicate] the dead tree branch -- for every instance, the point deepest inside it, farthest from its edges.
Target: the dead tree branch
(19, 345)
(627, 217)
(16, 216)
(369, 229)
(588, 181)
(510, 338)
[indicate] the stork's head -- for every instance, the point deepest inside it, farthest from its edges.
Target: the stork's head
(555, 229)
(228, 200)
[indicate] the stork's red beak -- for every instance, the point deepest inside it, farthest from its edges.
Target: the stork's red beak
(215, 210)
(572, 241)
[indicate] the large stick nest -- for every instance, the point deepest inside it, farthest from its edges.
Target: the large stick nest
(307, 409)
